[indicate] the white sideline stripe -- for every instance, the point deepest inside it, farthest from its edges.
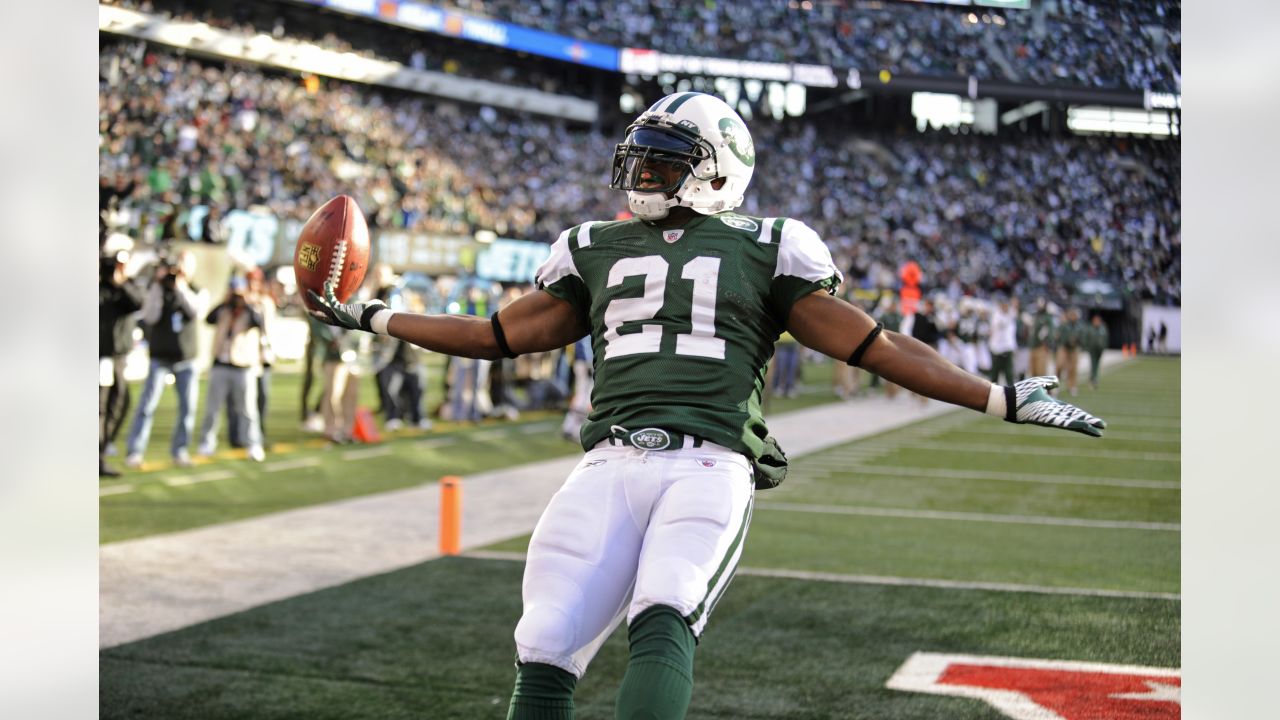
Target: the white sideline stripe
(210, 476)
(536, 428)
(897, 581)
(971, 517)
(367, 453)
(114, 490)
(1015, 449)
(494, 434)
(1049, 479)
(294, 464)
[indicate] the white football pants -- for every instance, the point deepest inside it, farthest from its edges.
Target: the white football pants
(631, 529)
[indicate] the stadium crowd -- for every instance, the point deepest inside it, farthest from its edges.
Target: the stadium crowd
(1092, 43)
(1096, 43)
(181, 132)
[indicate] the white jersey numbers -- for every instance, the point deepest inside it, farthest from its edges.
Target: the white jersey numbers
(620, 310)
(700, 342)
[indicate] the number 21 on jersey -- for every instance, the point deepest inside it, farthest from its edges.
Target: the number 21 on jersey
(701, 341)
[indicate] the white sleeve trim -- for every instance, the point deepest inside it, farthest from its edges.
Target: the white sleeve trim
(802, 254)
(584, 234)
(559, 263)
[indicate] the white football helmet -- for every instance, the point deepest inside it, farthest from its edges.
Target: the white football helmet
(698, 132)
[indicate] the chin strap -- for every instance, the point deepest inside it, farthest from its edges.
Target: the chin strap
(650, 206)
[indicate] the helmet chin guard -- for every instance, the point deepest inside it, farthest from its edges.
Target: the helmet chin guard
(699, 135)
(650, 205)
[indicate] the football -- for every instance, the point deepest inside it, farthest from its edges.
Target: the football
(333, 245)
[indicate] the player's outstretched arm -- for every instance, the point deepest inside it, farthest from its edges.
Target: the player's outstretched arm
(836, 328)
(535, 322)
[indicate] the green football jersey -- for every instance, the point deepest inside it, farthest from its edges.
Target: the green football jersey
(683, 320)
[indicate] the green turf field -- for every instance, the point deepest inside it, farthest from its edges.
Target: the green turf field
(871, 551)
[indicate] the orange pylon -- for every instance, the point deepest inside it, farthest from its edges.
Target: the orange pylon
(450, 515)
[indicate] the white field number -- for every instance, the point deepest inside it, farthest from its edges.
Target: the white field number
(699, 342)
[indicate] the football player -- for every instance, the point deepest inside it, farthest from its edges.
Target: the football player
(682, 304)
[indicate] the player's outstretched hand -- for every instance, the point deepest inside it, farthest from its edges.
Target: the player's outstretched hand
(354, 316)
(1037, 407)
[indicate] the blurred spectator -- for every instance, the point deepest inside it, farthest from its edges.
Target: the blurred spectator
(119, 297)
(169, 314)
(397, 369)
(1043, 334)
(583, 383)
(237, 358)
(1004, 340)
(340, 392)
(1069, 338)
(1095, 342)
(260, 299)
(786, 355)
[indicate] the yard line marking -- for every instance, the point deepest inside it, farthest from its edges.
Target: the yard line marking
(952, 584)
(896, 581)
(536, 428)
(1165, 438)
(494, 434)
(209, 476)
(294, 464)
(435, 442)
(1152, 420)
(114, 490)
(971, 517)
(1046, 478)
(1014, 449)
(367, 453)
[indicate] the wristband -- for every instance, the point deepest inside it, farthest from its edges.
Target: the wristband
(1003, 403)
(378, 322)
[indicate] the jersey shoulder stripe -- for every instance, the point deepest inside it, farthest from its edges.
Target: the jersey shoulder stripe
(802, 254)
(559, 264)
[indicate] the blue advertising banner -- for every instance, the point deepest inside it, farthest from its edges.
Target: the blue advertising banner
(421, 16)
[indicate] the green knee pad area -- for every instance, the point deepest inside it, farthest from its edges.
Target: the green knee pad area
(659, 680)
(543, 692)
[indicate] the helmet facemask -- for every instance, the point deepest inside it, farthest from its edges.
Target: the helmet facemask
(651, 141)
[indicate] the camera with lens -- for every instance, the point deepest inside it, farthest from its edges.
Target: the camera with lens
(107, 265)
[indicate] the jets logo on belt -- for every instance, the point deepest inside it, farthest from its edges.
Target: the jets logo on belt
(651, 439)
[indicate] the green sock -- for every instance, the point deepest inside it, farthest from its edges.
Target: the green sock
(659, 680)
(543, 692)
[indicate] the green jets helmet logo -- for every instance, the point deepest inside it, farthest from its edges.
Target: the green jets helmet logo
(739, 141)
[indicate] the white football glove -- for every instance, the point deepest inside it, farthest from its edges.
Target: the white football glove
(354, 316)
(1029, 402)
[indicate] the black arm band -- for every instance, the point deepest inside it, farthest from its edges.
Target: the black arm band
(856, 357)
(500, 336)
(1010, 404)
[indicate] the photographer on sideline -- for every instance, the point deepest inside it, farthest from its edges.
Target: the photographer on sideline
(237, 357)
(119, 297)
(168, 316)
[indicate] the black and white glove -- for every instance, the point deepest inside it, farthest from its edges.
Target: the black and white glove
(372, 316)
(1029, 402)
